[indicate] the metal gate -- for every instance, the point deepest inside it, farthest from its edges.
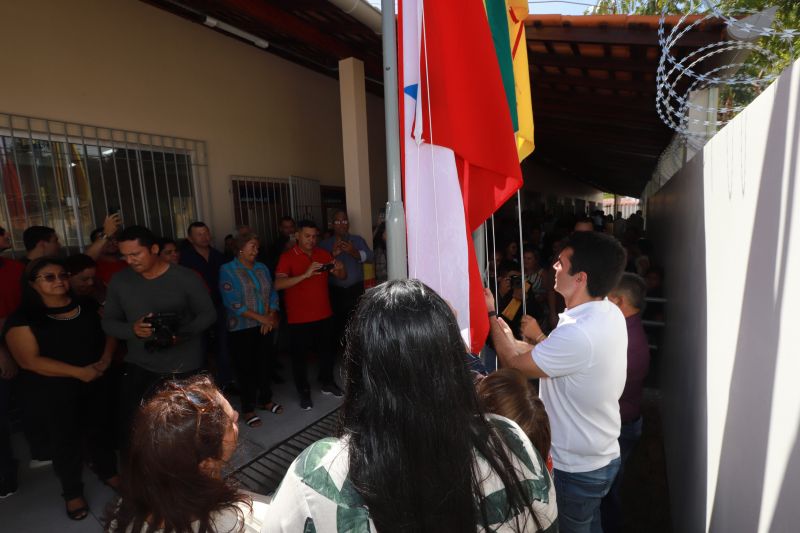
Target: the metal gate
(261, 202)
(70, 176)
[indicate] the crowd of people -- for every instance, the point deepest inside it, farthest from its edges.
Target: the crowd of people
(140, 341)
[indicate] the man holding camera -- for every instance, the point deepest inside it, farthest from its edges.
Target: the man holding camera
(302, 272)
(161, 310)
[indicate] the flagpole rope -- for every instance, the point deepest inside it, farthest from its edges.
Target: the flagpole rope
(486, 248)
(416, 195)
(494, 262)
(521, 253)
(417, 225)
(432, 144)
(494, 247)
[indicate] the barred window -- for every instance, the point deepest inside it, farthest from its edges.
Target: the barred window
(261, 202)
(71, 176)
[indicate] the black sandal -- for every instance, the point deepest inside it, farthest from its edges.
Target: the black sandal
(253, 422)
(273, 407)
(115, 488)
(80, 513)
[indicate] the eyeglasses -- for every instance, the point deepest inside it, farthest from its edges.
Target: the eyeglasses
(50, 277)
(339, 222)
(198, 403)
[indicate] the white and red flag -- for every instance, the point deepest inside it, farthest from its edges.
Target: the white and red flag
(460, 155)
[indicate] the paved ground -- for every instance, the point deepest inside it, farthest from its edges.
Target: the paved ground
(37, 506)
(645, 495)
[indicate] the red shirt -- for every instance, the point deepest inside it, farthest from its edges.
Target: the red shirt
(308, 301)
(10, 285)
(107, 269)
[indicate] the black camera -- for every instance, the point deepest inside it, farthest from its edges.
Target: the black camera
(327, 267)
(165, 331)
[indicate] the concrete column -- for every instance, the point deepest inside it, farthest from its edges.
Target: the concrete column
(353, 98)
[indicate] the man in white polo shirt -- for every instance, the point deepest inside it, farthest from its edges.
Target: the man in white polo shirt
(582, 365)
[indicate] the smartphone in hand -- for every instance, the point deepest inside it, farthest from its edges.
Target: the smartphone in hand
(327, 267)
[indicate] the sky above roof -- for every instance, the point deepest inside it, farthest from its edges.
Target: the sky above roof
(544, 7)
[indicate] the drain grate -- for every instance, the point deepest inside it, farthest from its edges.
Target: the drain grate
(264, 473)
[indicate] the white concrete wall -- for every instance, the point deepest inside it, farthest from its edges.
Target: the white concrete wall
(729, 237)
(128, 65)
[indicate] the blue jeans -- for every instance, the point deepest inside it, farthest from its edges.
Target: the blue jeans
(611, 509)
(579, 495)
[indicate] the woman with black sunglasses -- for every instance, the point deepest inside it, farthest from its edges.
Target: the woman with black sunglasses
(62, 350)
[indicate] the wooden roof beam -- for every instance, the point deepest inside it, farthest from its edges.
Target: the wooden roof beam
(567, 112)
(625, 146)
(543, 97)
(274, 17)
(598, 63)
(618, 181)
(642, 130)
(597, 83)
(622, 36)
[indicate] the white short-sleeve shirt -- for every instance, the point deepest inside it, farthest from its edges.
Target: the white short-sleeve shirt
(585, 358)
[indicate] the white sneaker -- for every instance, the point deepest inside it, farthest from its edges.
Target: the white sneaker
(36, 463)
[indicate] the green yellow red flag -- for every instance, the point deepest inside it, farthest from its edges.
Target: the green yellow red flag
(517, 12)
(497, 13)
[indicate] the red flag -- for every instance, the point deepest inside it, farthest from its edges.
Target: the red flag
(464, 108)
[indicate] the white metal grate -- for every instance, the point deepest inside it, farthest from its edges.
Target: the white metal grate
(261, 202)
(70, 176)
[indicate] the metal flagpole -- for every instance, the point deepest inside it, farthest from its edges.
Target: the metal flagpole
(521, 255)
(396, 259)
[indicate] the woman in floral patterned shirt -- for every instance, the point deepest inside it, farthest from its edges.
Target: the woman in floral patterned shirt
(251, 308)
(416, 452)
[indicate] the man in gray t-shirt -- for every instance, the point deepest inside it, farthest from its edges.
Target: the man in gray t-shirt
(152, 291)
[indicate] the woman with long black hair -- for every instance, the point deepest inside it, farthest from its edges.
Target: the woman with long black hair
(416, 452)
(57, 341)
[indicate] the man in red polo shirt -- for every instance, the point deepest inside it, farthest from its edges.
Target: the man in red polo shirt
(302, 272)
(10, 278)
(108, 261)
(10, 295)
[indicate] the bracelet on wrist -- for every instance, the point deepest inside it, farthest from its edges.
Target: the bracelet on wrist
(492, 313)
(540, 338)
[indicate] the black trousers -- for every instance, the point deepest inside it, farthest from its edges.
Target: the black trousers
(136, 385)
(311, 336)
(343, 302)
(73, 413)
(34, 423)
(252, 359)
(8, 466)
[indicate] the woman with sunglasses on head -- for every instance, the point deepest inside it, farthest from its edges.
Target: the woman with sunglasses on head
(58, 343)
(182, 437)
(416, 451)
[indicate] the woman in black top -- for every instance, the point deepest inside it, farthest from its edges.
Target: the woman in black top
(58, 342)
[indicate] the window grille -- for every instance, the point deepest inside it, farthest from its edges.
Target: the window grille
(261, 202)
(71, 176)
